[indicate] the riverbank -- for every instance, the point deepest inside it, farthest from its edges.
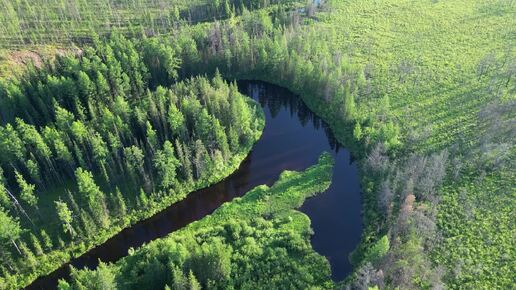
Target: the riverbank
(262, 232)
(57, 258)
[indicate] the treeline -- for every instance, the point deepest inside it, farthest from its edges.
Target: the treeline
(67, 22)
(273, 46)
(102, 126)
(278, 48)
(220, 9)
(401, 231)
(254, 242)
(401, 193)
(236, 254)
(422, 206)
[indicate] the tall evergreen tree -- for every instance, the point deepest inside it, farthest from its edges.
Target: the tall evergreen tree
(10, 231)
(65, 216)
(166, 163)
(26, 190)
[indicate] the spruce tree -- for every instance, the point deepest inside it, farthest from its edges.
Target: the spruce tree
(36, 245)
(65, 216)
(47, 241)
(26, 190)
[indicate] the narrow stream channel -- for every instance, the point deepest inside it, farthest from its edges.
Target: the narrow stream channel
(293, 139)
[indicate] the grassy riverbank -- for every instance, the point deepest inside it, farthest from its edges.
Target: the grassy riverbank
(257, 241)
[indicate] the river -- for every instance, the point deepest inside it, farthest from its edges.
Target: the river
(293, 139)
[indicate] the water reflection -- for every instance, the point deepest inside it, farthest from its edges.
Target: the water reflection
(293, 139)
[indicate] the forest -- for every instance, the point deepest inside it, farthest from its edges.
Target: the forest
(71, 22)
(111, 111)
(92, 143)
(233, 247)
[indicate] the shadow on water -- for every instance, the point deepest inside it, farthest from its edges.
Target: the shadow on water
(293, 139)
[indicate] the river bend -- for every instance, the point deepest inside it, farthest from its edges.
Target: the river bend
(293, 139)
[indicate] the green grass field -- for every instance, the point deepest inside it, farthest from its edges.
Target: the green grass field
(425, 55)
(441, 63)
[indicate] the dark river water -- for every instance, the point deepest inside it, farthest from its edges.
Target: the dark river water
(293, 139)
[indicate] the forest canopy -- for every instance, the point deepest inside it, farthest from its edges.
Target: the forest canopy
(95, 141)
(135, 111)
(252, 242)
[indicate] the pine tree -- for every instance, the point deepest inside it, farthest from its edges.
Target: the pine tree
(166, 163)
(200, 159)
(152, 137)
(10, 230)
(184, 157)
(31, 136)
(88, 189)
(36, 245)
(221, 139)
(134, 159)
(349, 104)
(204, 128)
(33, 169)
(30, 260)
(103, 91)
(79, 131)
(65, 216)
(88, 225)
(233, 140)
(73, 203)
(104, 278)
(175, 120)
(99, 148)
(26, 190)
(227, 10)
(85, 87)
(12, 147)
(5, 201)
(161, 61)
(179, 281)
(47, 241)
(193, 284)
(119, 202)
(93, 196)
(357, 132)
(60, 243)
(142, 198)
(63, 285)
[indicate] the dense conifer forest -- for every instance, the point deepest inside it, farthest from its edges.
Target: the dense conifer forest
(95, 141)
(110, 111)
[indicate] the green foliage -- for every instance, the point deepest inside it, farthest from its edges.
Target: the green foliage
(166, 162)
(65, 216)
(49, 22)
(357, 132)
(378, 250)
(256, 241)
(440, 89)
(100, 121)
(26, 190)
(47, 241)
(476, 219)
(103, 278)
(10, 229)
(36, 245)
(161, 61)
(415, 85)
